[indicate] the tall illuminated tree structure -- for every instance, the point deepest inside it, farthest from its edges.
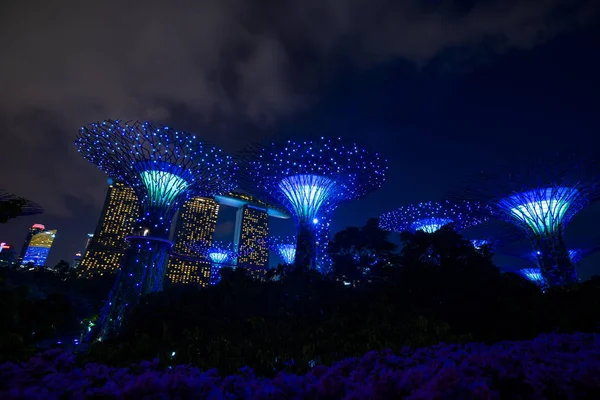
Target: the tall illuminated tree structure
(534, 275)
(284, 247)
(541, 200)
(165, 168)
(431, 216)
(311, 179)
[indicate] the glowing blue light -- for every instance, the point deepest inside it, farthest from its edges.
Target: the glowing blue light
(432, 216)
(163, 187)
(542, 210)
(307, 194)
(479, 243)
(311, 178)
(430, 225)
(218, 257)
(534, 275)
(287, 252)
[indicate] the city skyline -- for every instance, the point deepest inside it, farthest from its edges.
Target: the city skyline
(437, 122)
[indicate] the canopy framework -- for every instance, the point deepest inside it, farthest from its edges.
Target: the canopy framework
(310, 179)
(431, 216)
(165, 168)
(541, 199)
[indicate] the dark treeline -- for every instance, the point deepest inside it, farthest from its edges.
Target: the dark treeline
(437, 288)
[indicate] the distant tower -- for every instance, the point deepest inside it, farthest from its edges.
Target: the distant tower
(36, 228)
(76, 261)
(251, 231)
(106, 246)
(39, 248)
(196, 223)
(252, 227)
(7, 255)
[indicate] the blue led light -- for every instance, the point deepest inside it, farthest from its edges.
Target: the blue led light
(534, 275)
(543, 211)
(431, 216)
(163, 187)
(218, 256)
(312, 178)
(165, 168)
(287, 252)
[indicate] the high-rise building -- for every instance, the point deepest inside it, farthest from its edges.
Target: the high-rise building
(39, 248)
(195, 226)
(117, 221)
(35, 228)
(251, 232)
(76, 260)
(7, 255)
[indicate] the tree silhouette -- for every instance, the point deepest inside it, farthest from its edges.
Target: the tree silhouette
(362, 252)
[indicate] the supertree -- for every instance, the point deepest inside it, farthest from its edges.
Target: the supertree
(221, 255)
(534, 275)
(576, 249)
(165, 168)
(311, 179)
(431, 216)
(540, 199)
(285, 247)
(12, 206)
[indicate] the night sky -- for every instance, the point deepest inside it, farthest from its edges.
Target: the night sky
(442, 89)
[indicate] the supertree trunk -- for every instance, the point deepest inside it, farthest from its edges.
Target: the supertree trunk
(306, 255)
(142, 272)
(556, 265)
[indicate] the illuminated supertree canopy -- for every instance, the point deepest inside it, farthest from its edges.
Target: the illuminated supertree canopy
(12, 206)
(285, 247)
(310, 179)
(534, 275)
(165, 168)
(221, 255)
(431, 216)
(541, 199)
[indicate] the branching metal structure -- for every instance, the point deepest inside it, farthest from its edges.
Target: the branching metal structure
(311, 179)
(165, 168)
(541, 199)
(576, 249)
(431, 216)
(220, 255)
(285, 247)
(12, 206)
(534, 275)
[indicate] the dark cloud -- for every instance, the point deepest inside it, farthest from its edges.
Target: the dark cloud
(69, 62)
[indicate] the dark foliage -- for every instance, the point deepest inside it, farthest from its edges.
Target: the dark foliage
(360, 254)
(438, 288)
(444, 290)
(39, 305)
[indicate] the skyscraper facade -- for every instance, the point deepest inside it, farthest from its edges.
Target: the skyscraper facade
(35, 228)
(251, 232)
(39, 248)
(117, 221)
(7, 255)
(195, 226)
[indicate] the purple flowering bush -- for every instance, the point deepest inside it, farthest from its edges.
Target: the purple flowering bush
(550, 366)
